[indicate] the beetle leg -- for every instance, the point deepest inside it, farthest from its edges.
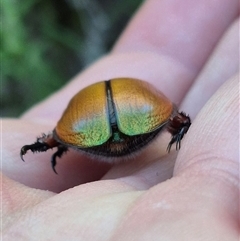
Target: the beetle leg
(177, 138)
(174, 139)
(36, 147)
(43, 143)
(58, 153)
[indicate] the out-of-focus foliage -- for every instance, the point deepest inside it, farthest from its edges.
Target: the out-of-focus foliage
(46, 42)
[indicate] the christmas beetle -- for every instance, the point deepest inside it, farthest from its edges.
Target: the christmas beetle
(112, 119)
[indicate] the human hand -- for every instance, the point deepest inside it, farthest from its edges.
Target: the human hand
(189, 195)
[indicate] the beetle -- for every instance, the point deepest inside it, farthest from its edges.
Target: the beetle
(113, 119)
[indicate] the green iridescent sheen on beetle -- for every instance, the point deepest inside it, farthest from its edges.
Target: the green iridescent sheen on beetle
(113, 119)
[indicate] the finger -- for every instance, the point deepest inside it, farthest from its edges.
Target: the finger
(211, 150)
(186, 31)
(74, 214)
(205, 187)
(214, 134)
(144, 175)
(222, 65)
(36, 171)
(146, 67)
(197, 28)
(16, 198)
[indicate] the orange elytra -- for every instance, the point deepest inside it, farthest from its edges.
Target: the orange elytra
(113, 119)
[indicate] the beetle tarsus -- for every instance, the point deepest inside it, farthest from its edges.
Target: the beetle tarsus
(36, 147)
(58, 153)
(176, 138)
(44, 143)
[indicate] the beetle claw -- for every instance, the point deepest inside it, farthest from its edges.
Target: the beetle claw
(58, 153)
(173, 140)
(24, 150)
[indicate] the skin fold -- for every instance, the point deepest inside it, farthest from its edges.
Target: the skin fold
(188, 50)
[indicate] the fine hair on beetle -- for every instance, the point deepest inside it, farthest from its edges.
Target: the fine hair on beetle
(113, 120)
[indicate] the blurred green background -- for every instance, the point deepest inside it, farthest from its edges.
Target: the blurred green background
(46, 42)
